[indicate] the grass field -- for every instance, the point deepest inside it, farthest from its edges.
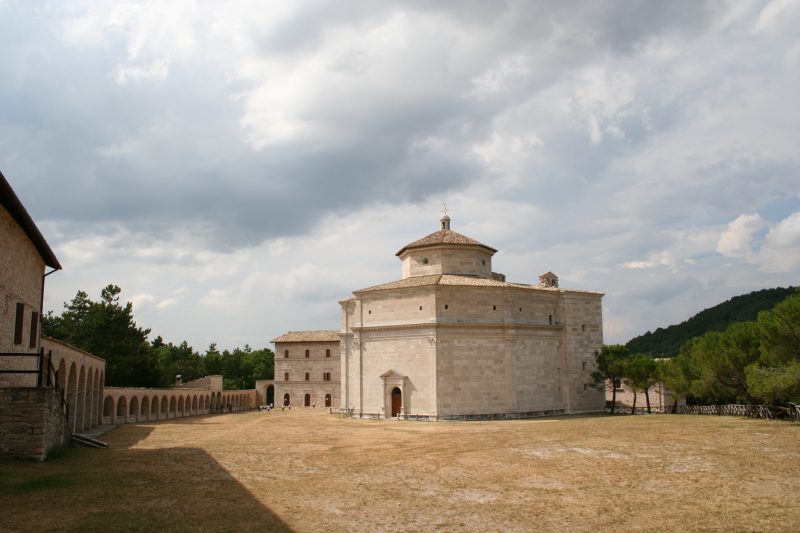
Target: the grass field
(309, 471)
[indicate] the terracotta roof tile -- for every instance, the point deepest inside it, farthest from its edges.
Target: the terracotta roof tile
(309, 336)
(415, 281)
(444, 236)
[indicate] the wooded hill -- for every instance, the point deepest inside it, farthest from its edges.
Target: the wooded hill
(665, 342)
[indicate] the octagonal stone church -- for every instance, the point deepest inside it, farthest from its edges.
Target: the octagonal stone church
(453, 340)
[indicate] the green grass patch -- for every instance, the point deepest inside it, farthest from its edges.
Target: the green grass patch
(10, 487)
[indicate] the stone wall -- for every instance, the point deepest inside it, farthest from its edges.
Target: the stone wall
(32, 422)
(447, 260)
(323, 358)
(21, 271)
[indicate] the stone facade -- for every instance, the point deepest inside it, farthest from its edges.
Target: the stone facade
(307, 372)
(451, 339)
(128, 405)
(32, 422)
(80, 377)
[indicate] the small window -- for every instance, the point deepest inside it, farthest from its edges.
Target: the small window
(326, 376)
(420, 308)
(583, 327)
(369, 312)
(550, 319)
(308, 376)
(584, 386)
(424, 260)
(308, 353)
(34, 329)
(446, 306)
(286, 353)
(285, 376)
(483, 262)
(18, 323)
(583, 365)
(494, 308)
(520, 309)
(327, 352)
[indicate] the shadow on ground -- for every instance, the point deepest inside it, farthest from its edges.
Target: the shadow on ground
(127, 489)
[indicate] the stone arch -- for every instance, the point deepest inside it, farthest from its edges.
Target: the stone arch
(164, 405)
(154, 408)
(101, 381)
(287, 399)
(145, 410)
(397, 401)
(133, 409)
(269, 394)
(108, 410)
(173, 406)
(95, 413)
(80, 404)
(195, 405)
(122, 408)
(307, 400)
(89, 401)
(179, 412)
(328, 400)
(72, 396)
(219, 401)
(61, 378)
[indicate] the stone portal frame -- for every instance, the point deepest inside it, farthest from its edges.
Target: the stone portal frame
(392, 379)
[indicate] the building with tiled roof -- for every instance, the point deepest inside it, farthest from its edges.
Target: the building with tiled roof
(306, 370)
(451, 339)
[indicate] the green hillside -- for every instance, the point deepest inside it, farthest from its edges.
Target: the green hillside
(667, 341)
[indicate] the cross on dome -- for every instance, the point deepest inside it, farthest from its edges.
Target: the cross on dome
(445, 220)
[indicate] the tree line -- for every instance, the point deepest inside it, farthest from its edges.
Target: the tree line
(107, 329)
(753, 362)
(666, 342)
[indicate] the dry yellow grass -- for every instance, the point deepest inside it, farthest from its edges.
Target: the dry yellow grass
(308, 471)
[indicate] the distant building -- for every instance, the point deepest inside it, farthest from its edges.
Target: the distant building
(451, 339)
(306, 370)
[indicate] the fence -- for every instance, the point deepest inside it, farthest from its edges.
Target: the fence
(46, 374)
(39, 355)
(790, 412)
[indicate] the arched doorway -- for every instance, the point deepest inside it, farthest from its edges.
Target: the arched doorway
(286, 399)
(307, 400)
(270, 395)
(327, 400)
(397, 401)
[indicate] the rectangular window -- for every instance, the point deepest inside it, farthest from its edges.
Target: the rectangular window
(286, 353)
(285, 376)
(308, 376)
(34, 329)
(583, 365)
(18, 324)
(327, 352)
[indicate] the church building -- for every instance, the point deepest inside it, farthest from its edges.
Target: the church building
(453, 340)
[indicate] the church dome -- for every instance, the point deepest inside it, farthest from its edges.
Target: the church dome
(444, 236)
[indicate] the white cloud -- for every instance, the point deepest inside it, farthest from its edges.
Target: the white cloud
(246, 166)
(781, 250)
(737, 240)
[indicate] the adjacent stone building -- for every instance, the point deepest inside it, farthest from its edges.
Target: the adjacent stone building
(24, 257)
(306, 370)
(33, 415)
(452, 339)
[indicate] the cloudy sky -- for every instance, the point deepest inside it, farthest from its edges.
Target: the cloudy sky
(239, 167)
